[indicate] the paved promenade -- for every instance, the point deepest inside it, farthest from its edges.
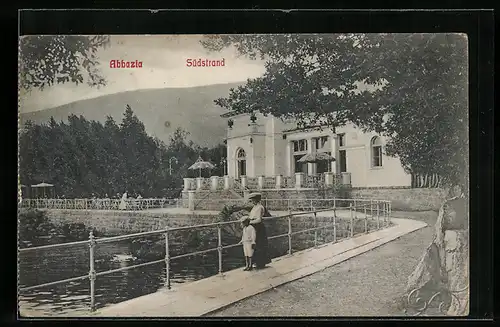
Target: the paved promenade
(214, 293)
(370, 284)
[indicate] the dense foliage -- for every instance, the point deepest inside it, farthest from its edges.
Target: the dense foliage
(411, 88)
(85, 158)
(52, 59)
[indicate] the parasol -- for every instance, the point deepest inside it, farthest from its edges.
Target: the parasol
(201, 164)
(43, 186)
(317, 156)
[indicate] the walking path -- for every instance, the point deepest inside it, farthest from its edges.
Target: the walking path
(213, 293)
(370, 284)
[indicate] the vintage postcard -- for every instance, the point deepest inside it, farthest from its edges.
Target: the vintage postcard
(232, 175)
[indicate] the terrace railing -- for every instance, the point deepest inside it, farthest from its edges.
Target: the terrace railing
(357, 211)
(297, 181)
(291, 204)
(101, 204)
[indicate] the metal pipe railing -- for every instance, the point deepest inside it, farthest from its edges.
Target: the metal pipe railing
(93, 242)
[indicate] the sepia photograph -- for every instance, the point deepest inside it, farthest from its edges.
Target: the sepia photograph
(243, 175)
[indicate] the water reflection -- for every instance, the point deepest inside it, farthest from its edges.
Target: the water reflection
(49, 265)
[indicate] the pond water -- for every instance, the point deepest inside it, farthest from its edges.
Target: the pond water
(49, 265)
(43, 266)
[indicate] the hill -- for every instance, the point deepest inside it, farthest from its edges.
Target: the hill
(191, 108)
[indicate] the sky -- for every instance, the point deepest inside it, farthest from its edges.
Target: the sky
(163, 66)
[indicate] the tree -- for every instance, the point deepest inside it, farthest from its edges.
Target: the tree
(51, 59)
(87, 158)
(411, 88)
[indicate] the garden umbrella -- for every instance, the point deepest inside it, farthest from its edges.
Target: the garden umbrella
(317, 156)
(43, 186)
(201, 164)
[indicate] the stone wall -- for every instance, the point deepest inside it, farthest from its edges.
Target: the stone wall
(216, 200)
(405, 199)
(119, 222)
(402, 198)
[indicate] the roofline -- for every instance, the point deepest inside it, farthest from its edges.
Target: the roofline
(307, 128)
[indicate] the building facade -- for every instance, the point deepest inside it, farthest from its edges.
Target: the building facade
(259, 145)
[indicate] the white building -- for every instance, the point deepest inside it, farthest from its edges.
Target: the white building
(271, 147)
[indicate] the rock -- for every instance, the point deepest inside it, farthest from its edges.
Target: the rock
(428, 274)
(444, 266)
(457, 268)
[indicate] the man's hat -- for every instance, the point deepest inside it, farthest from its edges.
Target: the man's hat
(254, 195)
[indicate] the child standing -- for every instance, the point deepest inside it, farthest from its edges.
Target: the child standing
(248, 241)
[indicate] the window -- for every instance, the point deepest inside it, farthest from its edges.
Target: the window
(342, 161)
(300, 167)
(376, 149)
(300, 146)
(323, 166)
(241, 163)
(320, 142)
(341, 139)
(241, 154)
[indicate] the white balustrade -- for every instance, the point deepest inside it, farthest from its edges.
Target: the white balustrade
(279, 181)
(328, 178)
(199, 183)
(214, 183)
(244, 182)
(228, 182)
(187, 184)
(299, 180)
(346, 178)
(261, 182)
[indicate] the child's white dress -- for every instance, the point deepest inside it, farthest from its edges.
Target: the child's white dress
(247, 239)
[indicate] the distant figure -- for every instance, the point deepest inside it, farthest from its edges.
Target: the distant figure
(123, 202)
(248, 240)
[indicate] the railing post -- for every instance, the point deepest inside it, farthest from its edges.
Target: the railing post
(92, 274)
(289, 233)
(311, 205)
(390, 212)
(219, 247)
(315, 230)
(371, 208)
(352, 220)
(366, 220)
(378, 214)
(167, 260)
(334, 225)
(387, 214)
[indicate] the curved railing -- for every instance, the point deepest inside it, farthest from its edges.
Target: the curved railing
(378, 210)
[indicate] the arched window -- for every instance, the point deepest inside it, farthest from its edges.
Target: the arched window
(376, 151)
(241, 163)
(241, 155)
